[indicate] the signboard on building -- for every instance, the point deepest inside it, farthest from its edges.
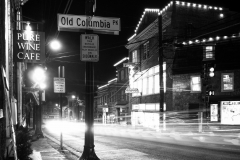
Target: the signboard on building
(214, 112)
(131, 90)
(230, 112)
(59, 85)
(227, 82)
(28, 46)
(89, 48)
(78, 23)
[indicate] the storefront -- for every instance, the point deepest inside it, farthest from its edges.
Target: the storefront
(146, 115)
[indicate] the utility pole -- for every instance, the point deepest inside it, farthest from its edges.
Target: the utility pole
(88, 152)
(61, 74)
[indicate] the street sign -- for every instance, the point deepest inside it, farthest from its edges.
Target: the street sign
(80, 23)
(59, 85)
(89, 48)
(131, 90)
(129, 64)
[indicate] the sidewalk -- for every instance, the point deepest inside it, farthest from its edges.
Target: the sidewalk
(47, 149)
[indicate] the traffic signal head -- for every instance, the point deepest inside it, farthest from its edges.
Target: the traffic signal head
(211, 71)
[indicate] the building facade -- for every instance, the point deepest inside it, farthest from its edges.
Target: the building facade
(112, 101)
(153, 55)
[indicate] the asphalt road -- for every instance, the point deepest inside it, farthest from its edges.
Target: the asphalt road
(114, 143)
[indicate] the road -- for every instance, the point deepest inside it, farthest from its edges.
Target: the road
(121, 143)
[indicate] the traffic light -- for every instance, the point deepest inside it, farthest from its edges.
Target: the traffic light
(211, 69)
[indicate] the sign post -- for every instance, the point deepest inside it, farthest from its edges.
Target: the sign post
(89, 53)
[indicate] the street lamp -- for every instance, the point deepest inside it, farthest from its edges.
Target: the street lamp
(39, 78)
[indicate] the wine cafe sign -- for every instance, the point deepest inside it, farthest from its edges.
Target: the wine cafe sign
(29, 46)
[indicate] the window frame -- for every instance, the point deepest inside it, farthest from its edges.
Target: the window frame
(200, 84)
(222, 83)
(146, 51)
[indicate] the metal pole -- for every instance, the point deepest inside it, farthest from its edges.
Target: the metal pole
(88, 152)
(160, 56)
(38, 131)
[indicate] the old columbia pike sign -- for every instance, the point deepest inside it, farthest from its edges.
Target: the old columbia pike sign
(81, 22)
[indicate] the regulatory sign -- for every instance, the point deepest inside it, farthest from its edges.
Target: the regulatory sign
(59, 85)
(131, 90)
(79, 23)
(89, 48)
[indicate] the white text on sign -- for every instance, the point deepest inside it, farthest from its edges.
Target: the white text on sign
(59, 85)
(89, 48)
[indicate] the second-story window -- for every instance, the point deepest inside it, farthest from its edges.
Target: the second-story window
(146, 50)
(208, 53)
(134, 56)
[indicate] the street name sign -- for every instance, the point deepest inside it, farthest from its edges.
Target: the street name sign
(59, 85)
(89, 47)
(131, 90)
(80, 23)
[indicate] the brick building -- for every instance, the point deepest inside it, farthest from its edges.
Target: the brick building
(179, 21)
(112, 101)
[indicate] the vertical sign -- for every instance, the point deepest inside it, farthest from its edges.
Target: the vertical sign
(214, 112)
(89, 48)
(59, 85)
(29, 46)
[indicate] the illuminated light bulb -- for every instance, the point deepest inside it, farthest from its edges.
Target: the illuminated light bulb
(220, 8)
(199, 6)
(225, 37)
(204, 40)
(188, 4)
(190, 42)
(194, 5)
(210, 7)
(28, 27)
(205, 7)
(183, 3)
(210, 39)
(233, 36)
(221, 15)
(171, 2)
(184, 43)
(197, 41)
(215, 8)
(177, 2)
(217, 38)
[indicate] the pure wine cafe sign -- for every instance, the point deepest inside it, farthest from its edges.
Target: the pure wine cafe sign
(29, 46)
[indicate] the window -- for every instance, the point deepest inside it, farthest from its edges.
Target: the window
(134, 56)
(156, 83)
(122, 74)
(150, 85)
(196, 83)
(208, 53)
(146, 50)
(227, 82)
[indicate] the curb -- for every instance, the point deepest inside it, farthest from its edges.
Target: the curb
(71, 150)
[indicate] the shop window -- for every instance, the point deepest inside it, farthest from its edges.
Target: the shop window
(227, 82)
(146, 50)
(196, 83)
(156, 83)
(134, 56)
(150, 85)
(208, 53)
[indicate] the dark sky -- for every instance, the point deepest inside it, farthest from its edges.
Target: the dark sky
(111, 46)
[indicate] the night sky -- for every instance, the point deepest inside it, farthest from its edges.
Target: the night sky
(112, 47)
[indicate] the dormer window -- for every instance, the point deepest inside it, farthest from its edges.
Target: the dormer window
(208, 53)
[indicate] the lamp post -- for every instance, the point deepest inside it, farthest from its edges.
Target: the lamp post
(39, 78)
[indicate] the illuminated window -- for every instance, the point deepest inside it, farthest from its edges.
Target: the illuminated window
(208, 53)
(227, 82)
(150, 85)
(156, 83)
(134, 56)
(146, 50)
(196, 83)
(144, 92)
